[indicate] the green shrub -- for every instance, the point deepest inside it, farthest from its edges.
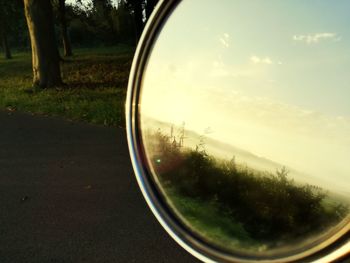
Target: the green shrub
(270, 207)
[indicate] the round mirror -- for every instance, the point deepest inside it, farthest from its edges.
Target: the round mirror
(238, 120)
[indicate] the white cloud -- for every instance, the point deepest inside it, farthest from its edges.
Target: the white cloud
(220, 69)
(255, 59)
(316, 38)
(266, 60)
(225, 40)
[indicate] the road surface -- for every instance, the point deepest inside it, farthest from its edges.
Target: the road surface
(68, 194)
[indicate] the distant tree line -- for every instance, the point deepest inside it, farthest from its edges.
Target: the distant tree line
(12, 25)
(44, 25)
(81, 24)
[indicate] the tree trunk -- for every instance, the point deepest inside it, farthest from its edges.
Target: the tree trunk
(5, 45)
(45, 56)
(67, 48)
(149, 7)
(138, 19)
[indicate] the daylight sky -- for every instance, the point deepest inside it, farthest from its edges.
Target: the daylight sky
(271, 77)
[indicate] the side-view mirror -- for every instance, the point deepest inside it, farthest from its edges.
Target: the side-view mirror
(238, 122)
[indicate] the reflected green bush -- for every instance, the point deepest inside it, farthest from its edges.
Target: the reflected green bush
(270, 207)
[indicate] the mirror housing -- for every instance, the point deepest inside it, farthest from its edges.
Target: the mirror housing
(325, 248)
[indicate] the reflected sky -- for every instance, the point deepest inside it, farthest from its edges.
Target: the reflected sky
(270, 77)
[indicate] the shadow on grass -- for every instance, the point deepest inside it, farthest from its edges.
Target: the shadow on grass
(94, 91)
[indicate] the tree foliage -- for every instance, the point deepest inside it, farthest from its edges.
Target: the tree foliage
(11, 16)
(80, 23)
(100, 22)
(141, 11)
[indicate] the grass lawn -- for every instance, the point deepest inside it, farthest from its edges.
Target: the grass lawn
(96, 83)
(209, 221)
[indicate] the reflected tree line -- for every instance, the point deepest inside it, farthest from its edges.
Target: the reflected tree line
(270, 207)
(45, 25)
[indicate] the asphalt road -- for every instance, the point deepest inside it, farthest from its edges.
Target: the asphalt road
(68, 194)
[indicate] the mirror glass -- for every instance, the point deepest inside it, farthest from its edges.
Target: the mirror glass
(245, 120)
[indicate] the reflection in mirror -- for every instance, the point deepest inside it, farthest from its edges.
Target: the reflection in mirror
(245, 120)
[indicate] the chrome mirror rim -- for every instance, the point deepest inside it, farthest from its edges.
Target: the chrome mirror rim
(332, 249)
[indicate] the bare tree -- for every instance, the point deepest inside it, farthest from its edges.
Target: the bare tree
(67, 48)
(5, 45)
(45, 56)
(150, 4)
(136, 7)
(7, 10)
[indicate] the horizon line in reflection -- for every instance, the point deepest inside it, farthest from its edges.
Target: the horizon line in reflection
(226, 151)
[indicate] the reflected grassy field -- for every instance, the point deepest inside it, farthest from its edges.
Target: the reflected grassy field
(211, 222)
(236, 206)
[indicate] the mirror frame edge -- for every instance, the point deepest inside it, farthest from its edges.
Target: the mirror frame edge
(337, 250)
(159, 14)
